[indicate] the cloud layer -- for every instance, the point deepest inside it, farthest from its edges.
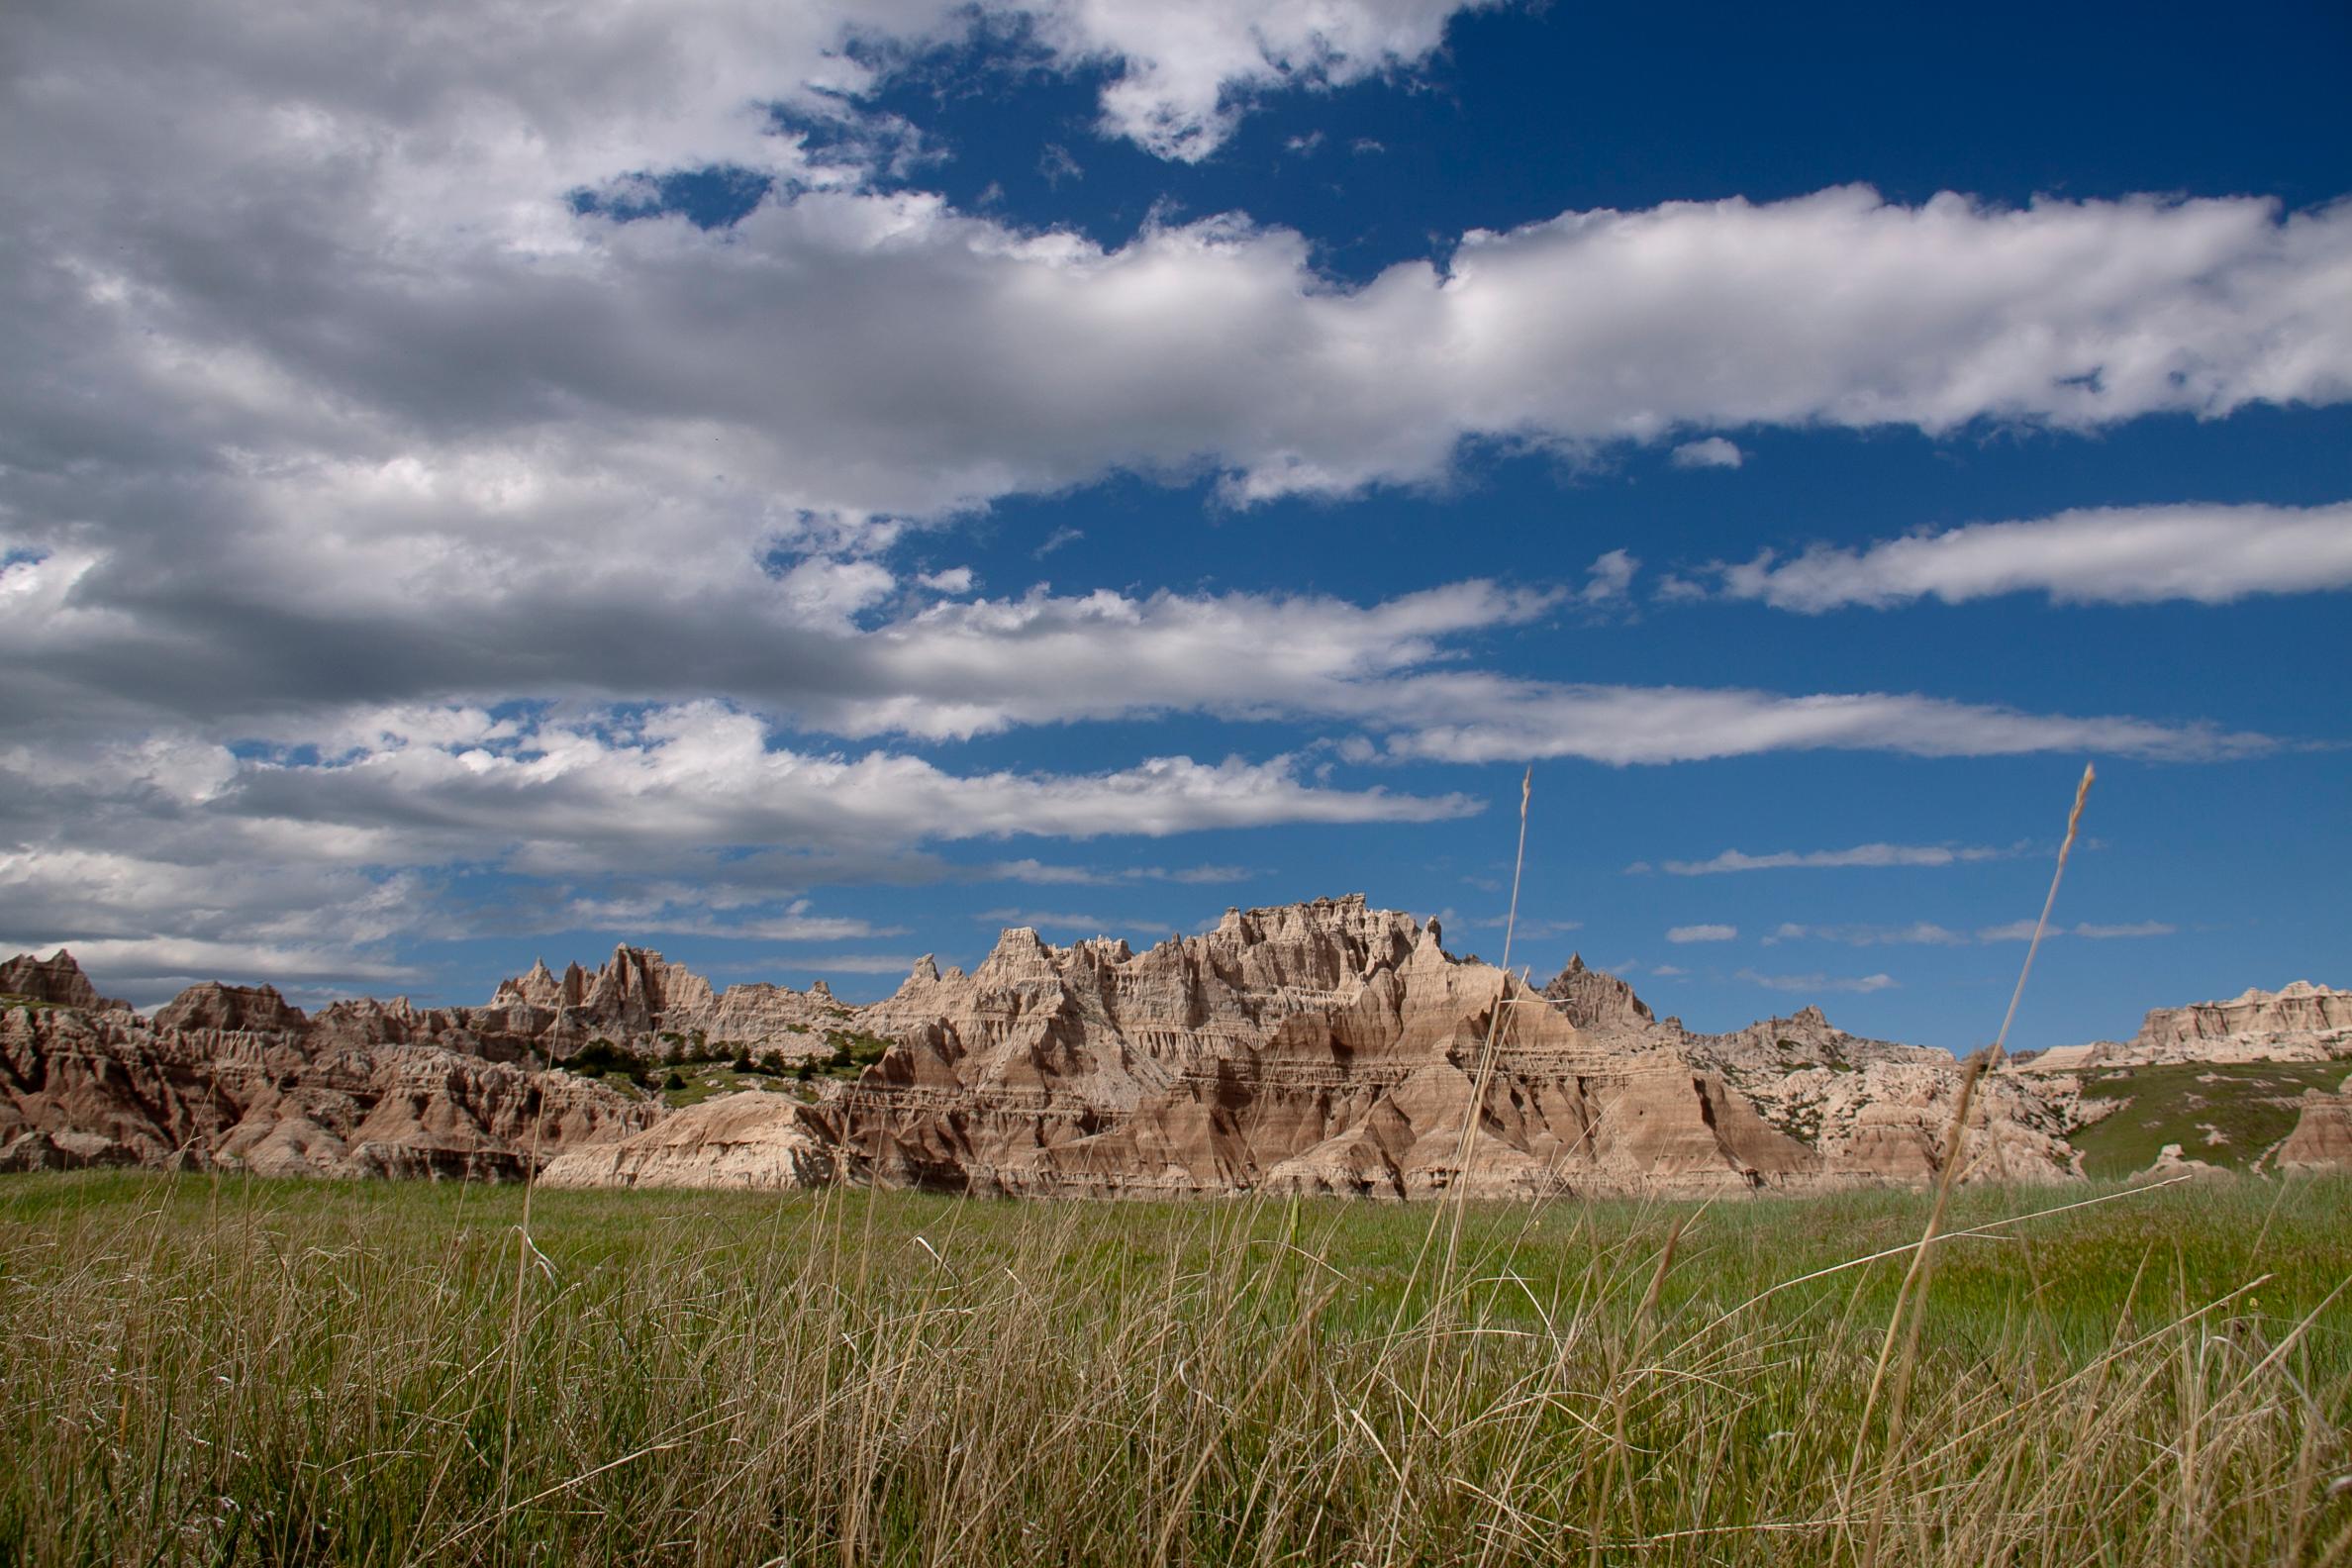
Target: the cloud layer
(1869, 854)
(2207, 555)
(396, 484)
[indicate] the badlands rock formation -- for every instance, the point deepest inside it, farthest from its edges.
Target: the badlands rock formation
(2301, 1021)
(2298, 1023)
(1332, 1047)
(57, 980)
(643, 1001)
(231, 1077)
(1320, 1047)
(2322, 1135)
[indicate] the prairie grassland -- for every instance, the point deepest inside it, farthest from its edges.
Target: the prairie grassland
(240, 1371)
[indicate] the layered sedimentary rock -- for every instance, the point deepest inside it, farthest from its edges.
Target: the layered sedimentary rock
(233, 1077)
(1592, 999)
(1322, 1048)
(57, 980)
(1332, 1047)
(1876, 1108)
(641, 1002)
(2322, 1135)
(210, 1004)
(2300, 1021)
(747, 1139)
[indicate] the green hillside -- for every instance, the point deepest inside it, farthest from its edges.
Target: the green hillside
(2249, 1105)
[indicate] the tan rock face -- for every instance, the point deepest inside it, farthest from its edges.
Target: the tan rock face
(2300, 1021)
(96, 1087)
(244, 1009)
(1332, 1047)
(1594, 1000)
(1325, 1047)
(57, 980)
(747, 1139)
(2322, 1135)
(644, 1003)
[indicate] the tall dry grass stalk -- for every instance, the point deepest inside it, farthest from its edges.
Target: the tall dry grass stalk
(1910, 1301)
(703, 1383)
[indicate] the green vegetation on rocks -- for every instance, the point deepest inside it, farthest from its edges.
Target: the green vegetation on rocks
(2225, 1114)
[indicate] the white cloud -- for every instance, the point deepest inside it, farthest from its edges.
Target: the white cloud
(1703, 933)
(1531, 928)
(2208, 554)
(1924, 933)
(1190, 70)
(473, 485)
(1861, 985)
(313, 860)
(2023, 930)
(1610, 579)
(1712, 453)
(1041, 875)
(955, 580)
(1479, 717)
(828, 592)
(1869, 854)
(958, 669)
(1667, 972)
(2132, 929)
(703, 773)
(1080, 924)
(688, 914)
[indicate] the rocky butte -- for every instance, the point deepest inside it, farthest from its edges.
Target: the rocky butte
(1331, 1047)
(2300, 1021)
(1316, 1047)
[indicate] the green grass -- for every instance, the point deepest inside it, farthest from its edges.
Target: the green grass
(2251, 1105)
(239, 1371)
(704, 1080)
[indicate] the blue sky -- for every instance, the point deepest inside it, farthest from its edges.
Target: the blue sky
(803, 488)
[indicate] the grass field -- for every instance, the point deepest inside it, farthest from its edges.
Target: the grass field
(242, 1371)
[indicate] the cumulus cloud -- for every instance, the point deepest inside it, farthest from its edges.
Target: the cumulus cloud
(2208, 554)
(1712, 453)
(795, 647)
(386, 476)
(1703, 933)
(1869, 854)
(1861, 985)
(312, 859)
(1191, 70)
(1610, 579)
